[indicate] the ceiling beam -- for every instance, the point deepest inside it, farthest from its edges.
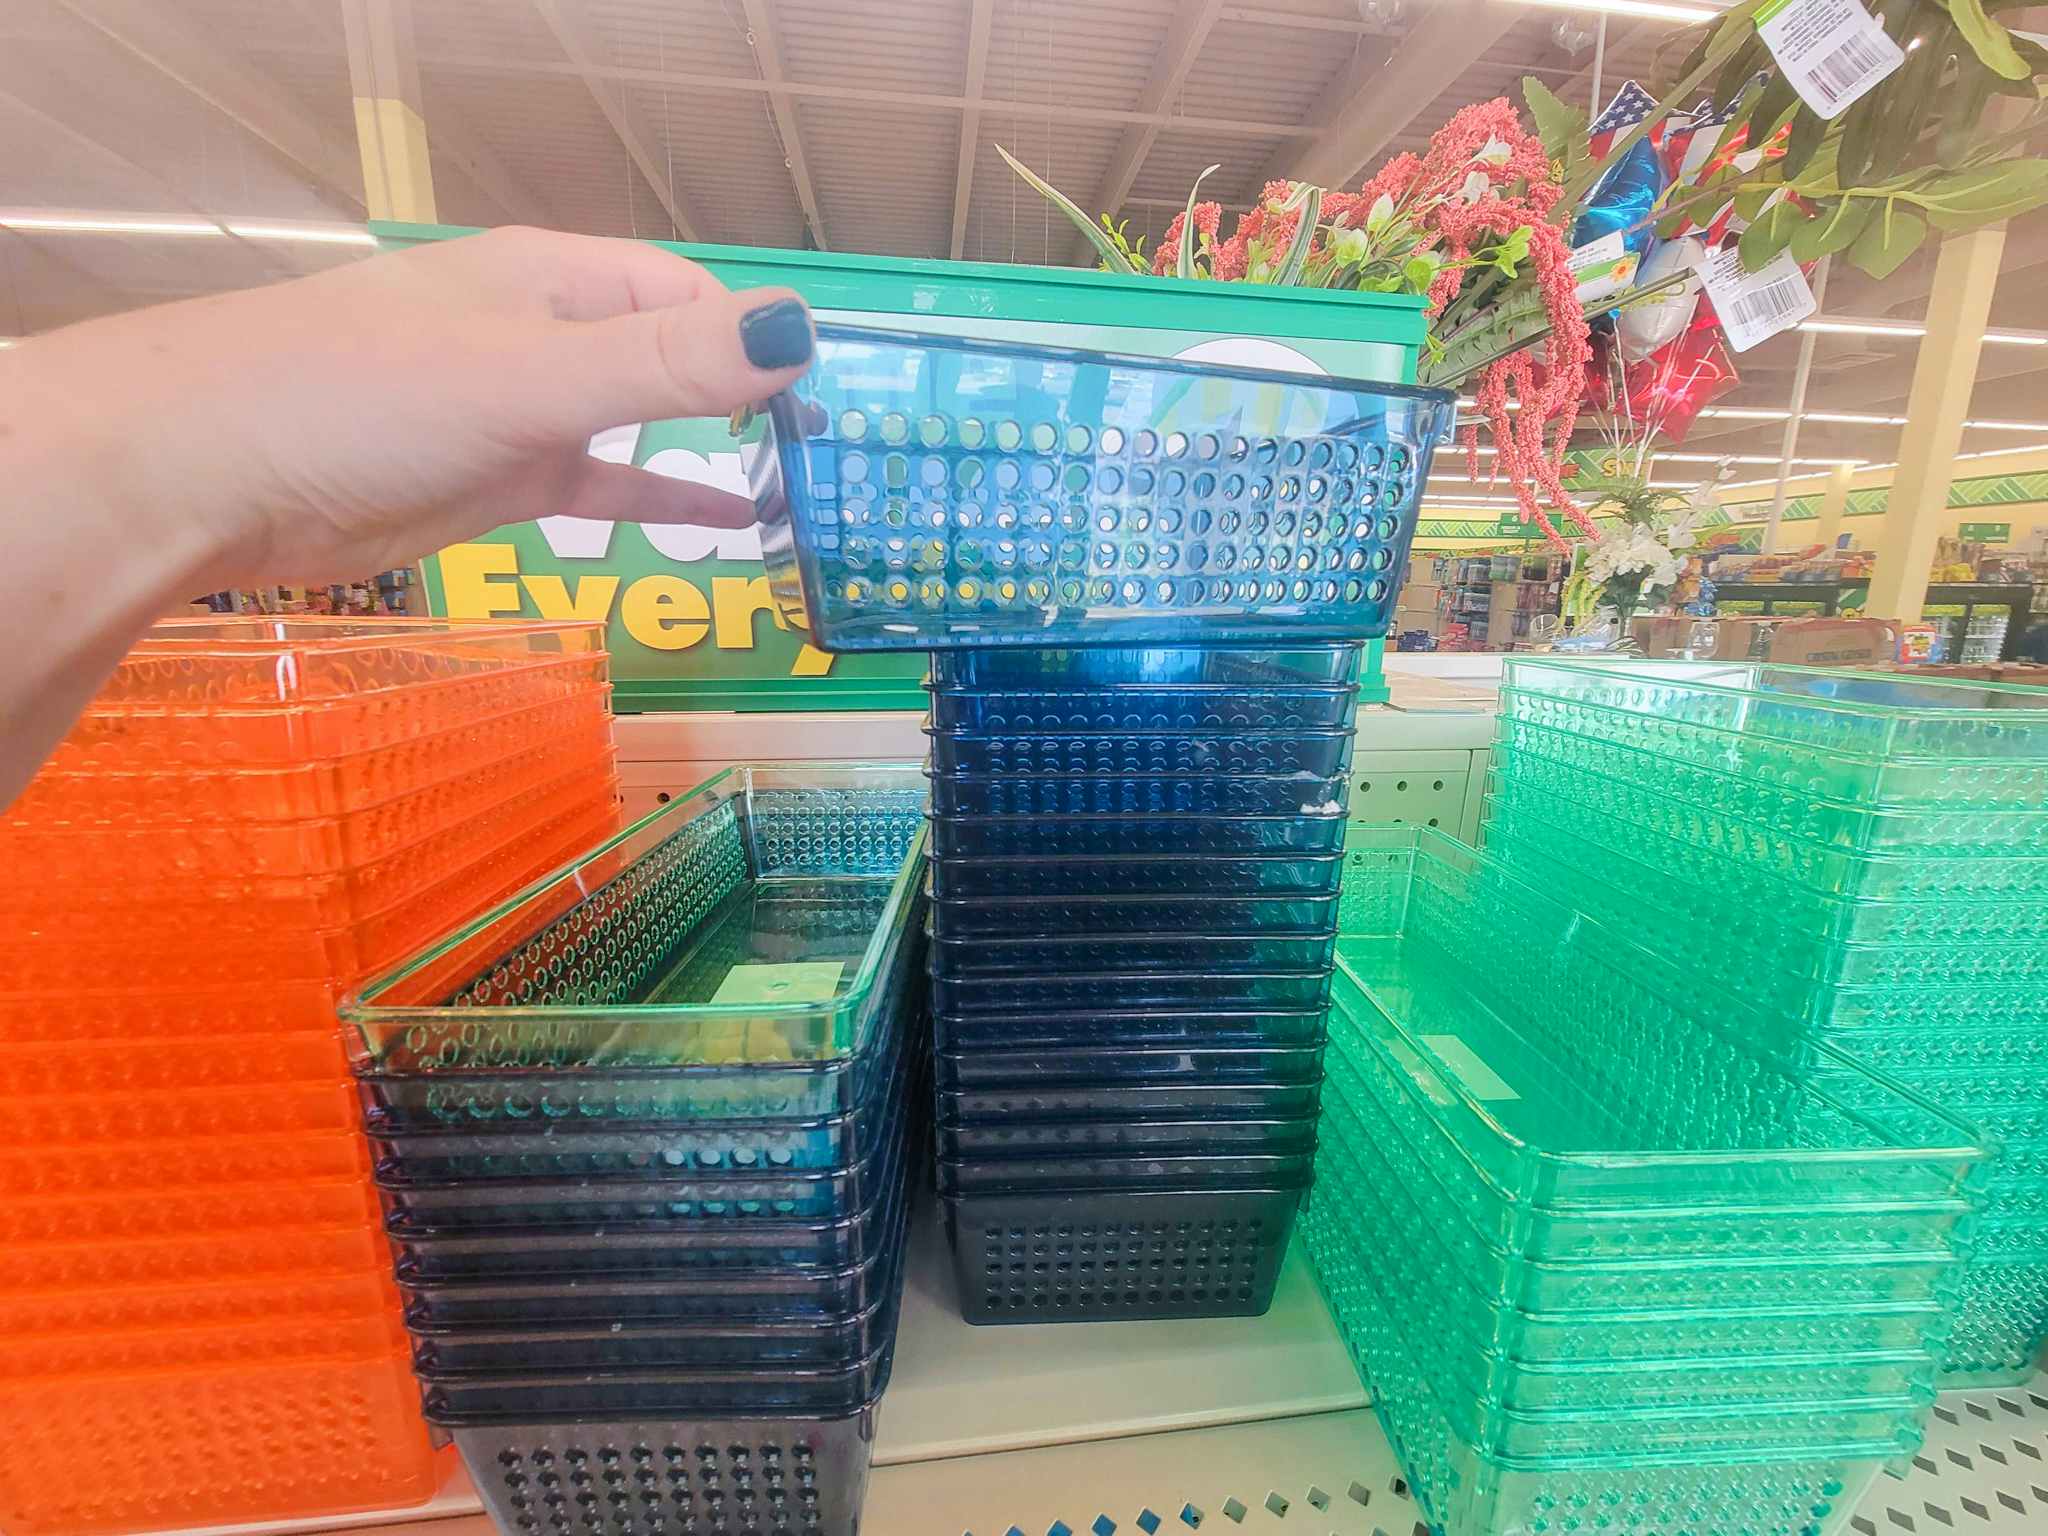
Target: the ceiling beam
(1303, 21)
(573, 32)
(765, 38)
(152, 32)
(48, 91)
(450, 136)
(991, 106)
(1362, 111)
(1186, 33)
(978, 23)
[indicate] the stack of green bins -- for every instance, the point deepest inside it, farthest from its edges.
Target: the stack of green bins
(1605, 1264)
(1862, 855)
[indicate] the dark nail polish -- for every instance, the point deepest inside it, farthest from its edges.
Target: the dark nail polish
(777, 335)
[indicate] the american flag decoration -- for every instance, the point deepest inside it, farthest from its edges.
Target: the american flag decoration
(1694, 150)
(1631, 104)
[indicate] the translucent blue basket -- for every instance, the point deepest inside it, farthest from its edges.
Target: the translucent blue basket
(928, 492)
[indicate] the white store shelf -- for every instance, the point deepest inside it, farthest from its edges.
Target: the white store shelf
(959, 1390)
(1257, 1424)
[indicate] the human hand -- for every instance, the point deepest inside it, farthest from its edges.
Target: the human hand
(352, 421)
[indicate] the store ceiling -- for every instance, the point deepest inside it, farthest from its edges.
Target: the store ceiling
(857, 125)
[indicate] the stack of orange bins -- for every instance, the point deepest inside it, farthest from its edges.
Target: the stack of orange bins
(197, 1320)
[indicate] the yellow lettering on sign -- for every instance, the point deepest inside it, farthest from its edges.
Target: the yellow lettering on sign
(593, 599)
(466, 585)
(735, 600)
(811, 662)
(665, 613)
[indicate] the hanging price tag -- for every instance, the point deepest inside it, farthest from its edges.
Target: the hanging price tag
(1602, 268)
(1832, 51)
(1755, 306)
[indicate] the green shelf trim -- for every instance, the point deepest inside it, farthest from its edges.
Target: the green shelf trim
(1065, 295)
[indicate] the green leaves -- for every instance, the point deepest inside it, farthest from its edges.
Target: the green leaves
(1887, 240)
(1770, 234)
(1963, 108)
(1295, 257)
(1988, 39)
(1185, 265)
(1750, 200)
(1509, 254)
(1833, 229)
(1112, 257)
(1984, 194)
(1562, 128)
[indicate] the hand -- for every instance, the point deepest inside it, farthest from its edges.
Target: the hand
(343, 424)
(347, 423)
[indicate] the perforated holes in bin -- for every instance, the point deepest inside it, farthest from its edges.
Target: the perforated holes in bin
(597, 952)
(642, 1489)
(1048, 1268)
(822, 832)
(1173, 521)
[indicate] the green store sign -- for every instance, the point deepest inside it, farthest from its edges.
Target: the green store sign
(1985, 533)
(689, 621)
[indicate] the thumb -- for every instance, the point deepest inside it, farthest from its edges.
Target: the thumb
(703, 358)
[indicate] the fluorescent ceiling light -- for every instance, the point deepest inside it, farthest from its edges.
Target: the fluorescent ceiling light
(1903, 328)
(2007, 426)
(110, 225)
(315, 234)
(73, 223)
(1655, 10)
(1743, 458)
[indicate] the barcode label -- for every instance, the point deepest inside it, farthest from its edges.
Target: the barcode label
(1755, 306)
(1832, 51)
(1842, 73)
(1772, 301)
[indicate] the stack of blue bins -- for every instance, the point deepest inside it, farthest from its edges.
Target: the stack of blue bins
(1144, 586)
(1135, 863)
(644, 1138)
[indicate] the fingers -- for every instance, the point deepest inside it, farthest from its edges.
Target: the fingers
(587, 487)
(703, 358)
(577, 277)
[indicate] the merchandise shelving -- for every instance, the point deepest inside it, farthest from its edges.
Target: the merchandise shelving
(1256, 1424)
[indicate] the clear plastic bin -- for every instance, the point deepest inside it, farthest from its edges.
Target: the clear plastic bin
(642, 1346)
(1572, 1066)
(1144, 707)
(1148, 990)
(993, 1142)
(1053, 794)
(1123, 1068)
(964, 838)
(1124, 875)
(754, 921)
(1110, 1255)
(1143, 1027)
(965, 959)
(1143, 1100)
(1096, 666)
(1051, 917)
(1867, 720)
(1317, 754)
(921, 492)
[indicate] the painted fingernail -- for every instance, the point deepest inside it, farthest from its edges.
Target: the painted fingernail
(777, 335)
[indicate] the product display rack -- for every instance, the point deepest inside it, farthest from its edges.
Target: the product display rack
(2015, 599)
(1254, 1424)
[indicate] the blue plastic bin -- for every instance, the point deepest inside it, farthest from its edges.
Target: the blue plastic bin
(921, 492)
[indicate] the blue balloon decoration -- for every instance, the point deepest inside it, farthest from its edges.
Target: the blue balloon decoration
(1623, 199)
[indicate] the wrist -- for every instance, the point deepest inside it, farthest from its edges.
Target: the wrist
(98, 468)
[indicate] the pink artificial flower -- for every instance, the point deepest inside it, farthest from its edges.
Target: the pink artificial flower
(1232, 258)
